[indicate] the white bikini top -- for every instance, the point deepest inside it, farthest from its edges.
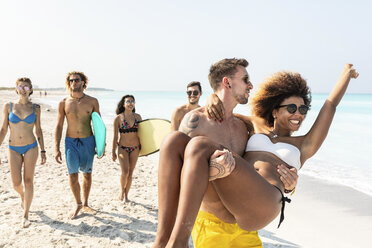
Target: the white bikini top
(286, 152)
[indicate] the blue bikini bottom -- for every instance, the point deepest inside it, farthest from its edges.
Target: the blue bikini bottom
(23, 149)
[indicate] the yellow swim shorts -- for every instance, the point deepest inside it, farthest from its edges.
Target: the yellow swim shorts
(209, 231)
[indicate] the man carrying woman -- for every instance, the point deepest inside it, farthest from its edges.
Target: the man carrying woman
(215, 224)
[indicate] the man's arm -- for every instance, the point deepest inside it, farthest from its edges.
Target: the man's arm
(58, 131)
(96, 106)
(175, 121)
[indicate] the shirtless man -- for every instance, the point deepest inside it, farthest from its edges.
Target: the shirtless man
(230, 81)
(194, 92)
(79, 141)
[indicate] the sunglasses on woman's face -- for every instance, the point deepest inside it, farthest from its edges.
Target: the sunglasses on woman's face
(25, 88)
(130, 101)
(292, 108)
(192, 92)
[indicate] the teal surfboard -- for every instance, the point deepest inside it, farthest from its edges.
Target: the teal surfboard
(151, 133)
(99, 133)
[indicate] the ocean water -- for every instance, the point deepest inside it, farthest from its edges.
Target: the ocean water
(343, 157)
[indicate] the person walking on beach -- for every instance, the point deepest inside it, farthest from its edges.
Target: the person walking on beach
(194, 91)
(127, 142)
(21, 118)
(79, 141)
(230, 80)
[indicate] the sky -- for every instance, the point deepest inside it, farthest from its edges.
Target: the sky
(163, 45)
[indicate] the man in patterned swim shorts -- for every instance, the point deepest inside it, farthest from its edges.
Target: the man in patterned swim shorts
(79, 141)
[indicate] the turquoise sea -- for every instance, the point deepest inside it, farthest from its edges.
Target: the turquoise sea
(343, 157)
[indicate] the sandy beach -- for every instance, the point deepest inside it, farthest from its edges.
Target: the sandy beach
(320, 215)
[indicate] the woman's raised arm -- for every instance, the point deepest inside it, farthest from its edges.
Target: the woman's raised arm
(318, 132)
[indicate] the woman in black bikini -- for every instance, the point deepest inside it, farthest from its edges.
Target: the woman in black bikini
(127, 142)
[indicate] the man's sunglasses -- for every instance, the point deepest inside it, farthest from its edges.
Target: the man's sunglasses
(77, 80)
(292, 108)
(192, 92)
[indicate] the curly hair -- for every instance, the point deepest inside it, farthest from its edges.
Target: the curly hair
(274, 90)
(120, 108)
(224, 68)
(82, 76)
(25, 80)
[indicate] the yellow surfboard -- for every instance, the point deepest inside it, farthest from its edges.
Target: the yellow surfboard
(151, 133)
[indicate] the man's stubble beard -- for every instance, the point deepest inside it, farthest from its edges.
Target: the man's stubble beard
(77, 90)
(240, 98)
(194, 103)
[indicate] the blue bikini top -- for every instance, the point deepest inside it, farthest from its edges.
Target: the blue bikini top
(13, 118)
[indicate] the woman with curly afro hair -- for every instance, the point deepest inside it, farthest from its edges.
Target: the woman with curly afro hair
(250, 188)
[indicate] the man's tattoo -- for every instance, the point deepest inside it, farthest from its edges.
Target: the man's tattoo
(219, 167)
(189, 123)
(225, 167)
(193, 121)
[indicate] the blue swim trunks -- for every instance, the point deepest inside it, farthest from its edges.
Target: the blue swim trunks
(79, 154)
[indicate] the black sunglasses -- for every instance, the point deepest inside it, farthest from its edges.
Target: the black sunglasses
(77, 80)
(192, 92)
(292, 108)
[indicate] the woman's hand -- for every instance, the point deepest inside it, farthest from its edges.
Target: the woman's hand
(350, 71)
(221, 164)
(43, 157)
(288, 177)
(114, 156)
(214, 108)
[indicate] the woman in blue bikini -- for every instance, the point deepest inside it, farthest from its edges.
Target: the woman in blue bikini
(21, 118)
(126, 141)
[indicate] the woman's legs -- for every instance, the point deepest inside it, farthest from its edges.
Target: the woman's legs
(133, 157)
(169, 174)
(124, 165)
(29, 160)
(16, 161)
(194, 183)
(249, 197)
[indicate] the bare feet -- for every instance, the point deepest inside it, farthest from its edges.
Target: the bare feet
(126, 199)
(89, 210)
(75, 212)
(25, 222)
(121, 196)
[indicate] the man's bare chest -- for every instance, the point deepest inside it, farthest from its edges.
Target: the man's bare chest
(77, 109)
(231, 137)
